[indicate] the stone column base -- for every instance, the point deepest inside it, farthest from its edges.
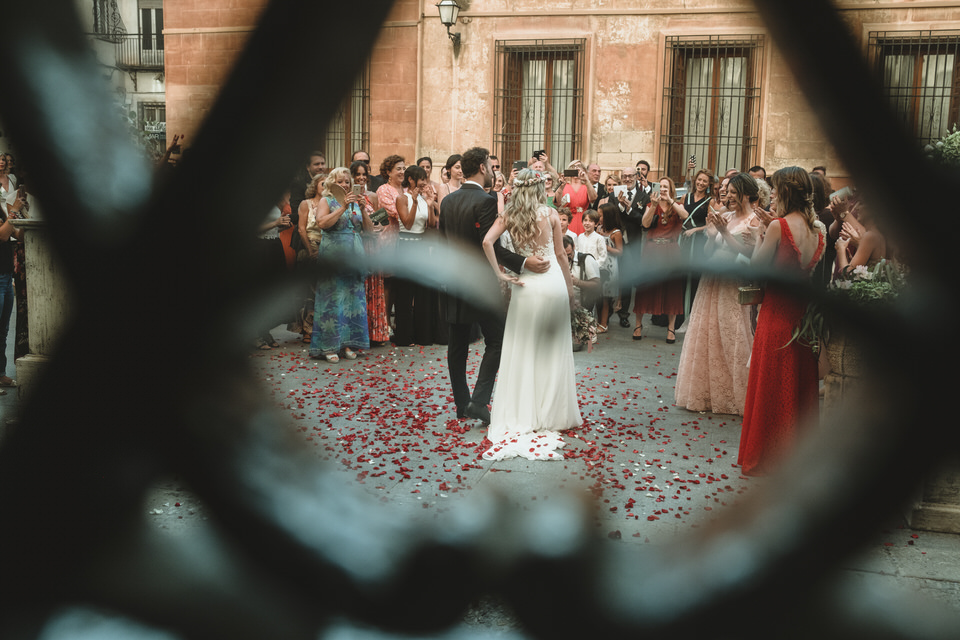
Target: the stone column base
(29, 368)
(939, 506)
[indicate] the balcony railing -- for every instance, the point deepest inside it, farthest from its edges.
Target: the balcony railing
(139, 51)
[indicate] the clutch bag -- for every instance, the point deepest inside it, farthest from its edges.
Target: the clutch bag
(750, 294)
(380, 217)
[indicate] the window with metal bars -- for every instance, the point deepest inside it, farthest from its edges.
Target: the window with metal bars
(349, 129)
(106, 19)
(711, 102)
(539, 99)
(920, 75)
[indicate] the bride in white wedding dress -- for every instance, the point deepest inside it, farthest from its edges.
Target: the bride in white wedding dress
(536, 394)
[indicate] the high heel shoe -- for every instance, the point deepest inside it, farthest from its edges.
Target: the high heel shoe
(349, 354)
(669, 339)
(332, 357)
(640, 335)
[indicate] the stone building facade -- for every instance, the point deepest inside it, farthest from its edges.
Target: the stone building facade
(606, 81)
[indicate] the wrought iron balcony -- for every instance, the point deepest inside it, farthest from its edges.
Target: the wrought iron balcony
(139, 51)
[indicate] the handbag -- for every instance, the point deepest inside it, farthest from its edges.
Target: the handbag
(750, 294)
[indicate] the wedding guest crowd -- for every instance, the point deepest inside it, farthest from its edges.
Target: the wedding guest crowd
(733, 358)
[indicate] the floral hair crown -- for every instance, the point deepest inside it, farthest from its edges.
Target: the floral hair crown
(529, 182)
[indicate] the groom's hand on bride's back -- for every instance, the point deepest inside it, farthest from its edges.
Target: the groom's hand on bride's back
(536, 264)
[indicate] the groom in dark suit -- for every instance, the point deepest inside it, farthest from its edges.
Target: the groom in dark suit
(465, 217)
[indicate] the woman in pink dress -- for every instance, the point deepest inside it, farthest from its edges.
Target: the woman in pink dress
(716, 350)
(388, 197)
(662, 224)
(782, 390)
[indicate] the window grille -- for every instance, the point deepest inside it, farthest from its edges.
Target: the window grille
(920, 77)
(711, 102)
(539, 99)
(107, 20)
(349, 129)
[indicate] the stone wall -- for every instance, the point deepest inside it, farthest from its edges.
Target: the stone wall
(427, 99)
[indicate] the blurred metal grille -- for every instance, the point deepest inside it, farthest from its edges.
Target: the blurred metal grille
(920, 75)
(539, 99)
(711, 102)
(349, 130)
(293, 549)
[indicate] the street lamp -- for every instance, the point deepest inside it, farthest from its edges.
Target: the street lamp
(449, 10)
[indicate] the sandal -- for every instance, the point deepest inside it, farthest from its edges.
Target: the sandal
(637, 336)
(674, 339)
(332, 357)
(601, 328)
(349, 354)
(6, 381)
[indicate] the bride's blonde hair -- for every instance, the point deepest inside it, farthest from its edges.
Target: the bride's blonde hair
(527, 194)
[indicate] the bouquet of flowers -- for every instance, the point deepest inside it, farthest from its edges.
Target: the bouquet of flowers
(584, 326)
(875, 287)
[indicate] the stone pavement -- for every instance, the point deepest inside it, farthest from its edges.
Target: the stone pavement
(648, 470)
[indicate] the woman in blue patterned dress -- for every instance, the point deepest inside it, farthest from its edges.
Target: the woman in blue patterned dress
(340, 306)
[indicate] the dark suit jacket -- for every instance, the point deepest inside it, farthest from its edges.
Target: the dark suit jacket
(601, 192)
(465, 217)
(632, 217)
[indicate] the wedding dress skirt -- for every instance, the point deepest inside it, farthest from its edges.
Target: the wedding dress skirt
(536, 394)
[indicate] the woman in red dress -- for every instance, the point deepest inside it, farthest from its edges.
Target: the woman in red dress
(782, 387)
(577, 194)
(662, 224)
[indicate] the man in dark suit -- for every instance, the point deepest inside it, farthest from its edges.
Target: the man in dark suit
(632, 203)
(593, 175)
(465, 217)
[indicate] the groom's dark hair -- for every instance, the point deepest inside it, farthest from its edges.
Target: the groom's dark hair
(472, 160)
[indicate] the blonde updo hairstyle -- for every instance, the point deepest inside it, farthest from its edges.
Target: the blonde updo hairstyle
(332, 178)
(527, 195)
(764, 192)
(794, 193)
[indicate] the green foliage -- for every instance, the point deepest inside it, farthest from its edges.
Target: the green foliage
(946, 150)
(875, 288)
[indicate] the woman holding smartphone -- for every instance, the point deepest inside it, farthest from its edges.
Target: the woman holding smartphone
(662, 223)
(415, 304)
(577, 194)
(340, 307)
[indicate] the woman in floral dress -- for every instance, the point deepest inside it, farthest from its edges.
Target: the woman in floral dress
(340, 307)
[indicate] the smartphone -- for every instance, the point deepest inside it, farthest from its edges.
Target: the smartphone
(843, 193)
(357, 189)
(654, 189)
(520, 164)
(537, 154)
(693, 158)
(570, 173)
